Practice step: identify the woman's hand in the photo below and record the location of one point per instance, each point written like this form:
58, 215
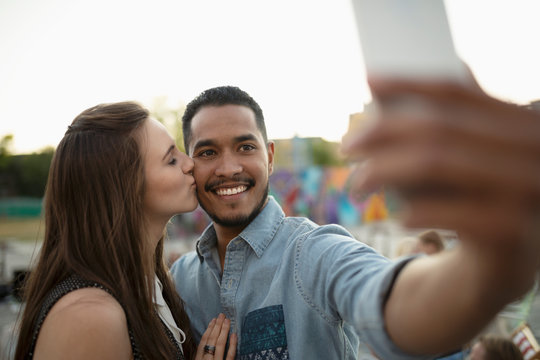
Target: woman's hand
214, 340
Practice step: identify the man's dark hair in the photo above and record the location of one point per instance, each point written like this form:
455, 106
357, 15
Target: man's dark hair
219, 96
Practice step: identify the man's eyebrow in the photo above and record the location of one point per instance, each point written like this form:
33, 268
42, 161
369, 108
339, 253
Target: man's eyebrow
171, 148
201, 143
246, 137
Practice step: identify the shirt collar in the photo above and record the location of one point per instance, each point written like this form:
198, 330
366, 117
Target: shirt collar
257, 234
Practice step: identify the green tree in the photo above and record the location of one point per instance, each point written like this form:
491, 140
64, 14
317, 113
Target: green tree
7, 182
325, 153
33, 171
5, 145
23, 175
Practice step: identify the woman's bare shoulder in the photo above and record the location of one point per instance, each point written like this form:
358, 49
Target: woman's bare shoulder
84, 324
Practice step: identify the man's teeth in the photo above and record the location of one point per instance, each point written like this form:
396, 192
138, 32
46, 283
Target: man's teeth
231, 191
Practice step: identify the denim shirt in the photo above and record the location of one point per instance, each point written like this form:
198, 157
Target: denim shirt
292, 290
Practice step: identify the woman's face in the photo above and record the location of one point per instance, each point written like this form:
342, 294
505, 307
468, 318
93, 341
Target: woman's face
169, 183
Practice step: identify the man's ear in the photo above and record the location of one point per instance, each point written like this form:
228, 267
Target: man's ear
270, 149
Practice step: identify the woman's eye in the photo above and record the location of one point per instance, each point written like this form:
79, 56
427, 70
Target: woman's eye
172, 161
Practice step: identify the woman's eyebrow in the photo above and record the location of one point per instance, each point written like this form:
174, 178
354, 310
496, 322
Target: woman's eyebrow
171, 148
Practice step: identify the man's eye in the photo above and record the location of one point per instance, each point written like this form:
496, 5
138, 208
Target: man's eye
206, 153
247, 147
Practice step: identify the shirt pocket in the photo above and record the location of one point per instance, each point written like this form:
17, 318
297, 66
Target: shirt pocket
263, 335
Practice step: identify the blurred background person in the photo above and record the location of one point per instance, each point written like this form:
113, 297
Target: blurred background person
429, 242
492, 347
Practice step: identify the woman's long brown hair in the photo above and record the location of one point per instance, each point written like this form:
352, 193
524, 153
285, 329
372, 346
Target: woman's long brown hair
95, 227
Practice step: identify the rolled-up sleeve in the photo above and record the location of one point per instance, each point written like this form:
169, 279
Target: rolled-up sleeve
346, 280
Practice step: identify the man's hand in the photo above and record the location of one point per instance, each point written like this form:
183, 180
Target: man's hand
464, 161
461, 159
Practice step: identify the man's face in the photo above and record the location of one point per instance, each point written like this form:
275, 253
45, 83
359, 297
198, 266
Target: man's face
232, 164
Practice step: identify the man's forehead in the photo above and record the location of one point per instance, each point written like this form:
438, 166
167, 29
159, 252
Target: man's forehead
217, 123
224, 111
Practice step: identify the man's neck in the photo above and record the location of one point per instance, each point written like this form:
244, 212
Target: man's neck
224, 236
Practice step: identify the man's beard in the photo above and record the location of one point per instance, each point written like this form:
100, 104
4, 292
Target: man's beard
240, 220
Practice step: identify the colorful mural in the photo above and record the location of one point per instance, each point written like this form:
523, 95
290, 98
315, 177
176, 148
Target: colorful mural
321, 194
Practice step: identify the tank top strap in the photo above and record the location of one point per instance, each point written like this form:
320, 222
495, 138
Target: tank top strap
170, 336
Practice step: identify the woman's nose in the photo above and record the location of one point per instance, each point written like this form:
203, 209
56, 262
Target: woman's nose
187, 164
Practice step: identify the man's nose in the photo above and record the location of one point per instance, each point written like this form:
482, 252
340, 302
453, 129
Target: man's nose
228, 166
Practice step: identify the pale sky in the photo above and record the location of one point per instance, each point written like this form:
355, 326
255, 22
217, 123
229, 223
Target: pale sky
300, 59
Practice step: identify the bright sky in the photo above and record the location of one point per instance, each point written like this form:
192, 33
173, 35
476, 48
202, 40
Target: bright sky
300, 59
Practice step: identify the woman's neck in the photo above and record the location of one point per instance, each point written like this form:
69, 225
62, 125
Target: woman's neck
156, 230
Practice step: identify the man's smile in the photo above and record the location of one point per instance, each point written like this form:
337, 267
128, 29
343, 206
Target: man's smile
231, 191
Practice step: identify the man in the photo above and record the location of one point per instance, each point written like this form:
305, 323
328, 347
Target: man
293, 289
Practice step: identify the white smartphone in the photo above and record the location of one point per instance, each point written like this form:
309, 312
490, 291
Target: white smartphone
408, 39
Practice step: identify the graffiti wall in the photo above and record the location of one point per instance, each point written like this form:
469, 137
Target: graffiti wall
322, 194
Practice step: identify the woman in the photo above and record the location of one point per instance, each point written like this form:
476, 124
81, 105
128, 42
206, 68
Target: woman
100, 289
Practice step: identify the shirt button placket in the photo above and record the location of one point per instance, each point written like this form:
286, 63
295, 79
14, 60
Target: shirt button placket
234, 263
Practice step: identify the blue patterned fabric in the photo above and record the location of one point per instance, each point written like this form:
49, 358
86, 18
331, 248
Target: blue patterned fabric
264, 335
